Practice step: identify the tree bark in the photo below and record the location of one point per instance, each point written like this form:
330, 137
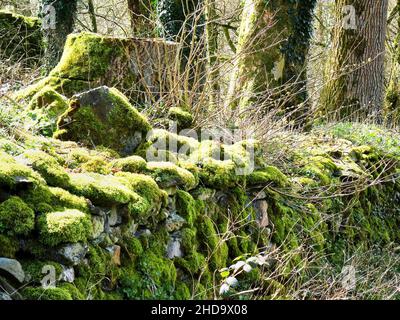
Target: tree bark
355, 70
274, 39
139, 11
58, 22
212, 54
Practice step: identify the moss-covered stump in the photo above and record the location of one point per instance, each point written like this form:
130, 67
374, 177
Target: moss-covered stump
134, 66
126, 228
103, 117
20, 38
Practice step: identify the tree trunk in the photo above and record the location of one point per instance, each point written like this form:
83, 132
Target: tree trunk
274, 39
92, 13
134, 13
212, 54
355, 70
139, 12
58, 22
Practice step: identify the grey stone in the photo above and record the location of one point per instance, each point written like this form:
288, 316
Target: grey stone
4, 297
72, 254
67, 274
174, 222
98, 226
260, 195
12, 267
114, 219
261, 209
174, 248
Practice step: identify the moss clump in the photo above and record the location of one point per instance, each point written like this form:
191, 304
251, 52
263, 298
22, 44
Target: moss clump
103, 117
182, 117
47, 199
266, 176
46, 106
167, 175
151, 196
48, 167
187, 207
134, 164
16, 217
31, 293
68, 226
73, 291
101, 189
219, 174
8, 246
216, 246
11, 172
161, 140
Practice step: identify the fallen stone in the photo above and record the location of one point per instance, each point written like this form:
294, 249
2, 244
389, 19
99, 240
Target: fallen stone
103, 116
12, 267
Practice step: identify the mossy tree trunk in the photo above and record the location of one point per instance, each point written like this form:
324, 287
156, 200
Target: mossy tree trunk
139, 12
212, 51
57, 28
274, 38
354, 86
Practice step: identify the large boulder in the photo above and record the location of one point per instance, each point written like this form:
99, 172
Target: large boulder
138, 67
20, 38
103, 116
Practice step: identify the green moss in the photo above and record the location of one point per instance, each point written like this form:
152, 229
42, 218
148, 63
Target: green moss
219, 174
48, 167
87, 56
68, 226
158, 271
183, 118
9, 246
266, 176
152, 198
134, 164
194, 263
167, 175
49, 105
96, 164
182, 292
187, 207
134, 248
101, 189
11, 172
73, 291
217, 247
46, 199
10, 147
162, 140
16, 217
30, 293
